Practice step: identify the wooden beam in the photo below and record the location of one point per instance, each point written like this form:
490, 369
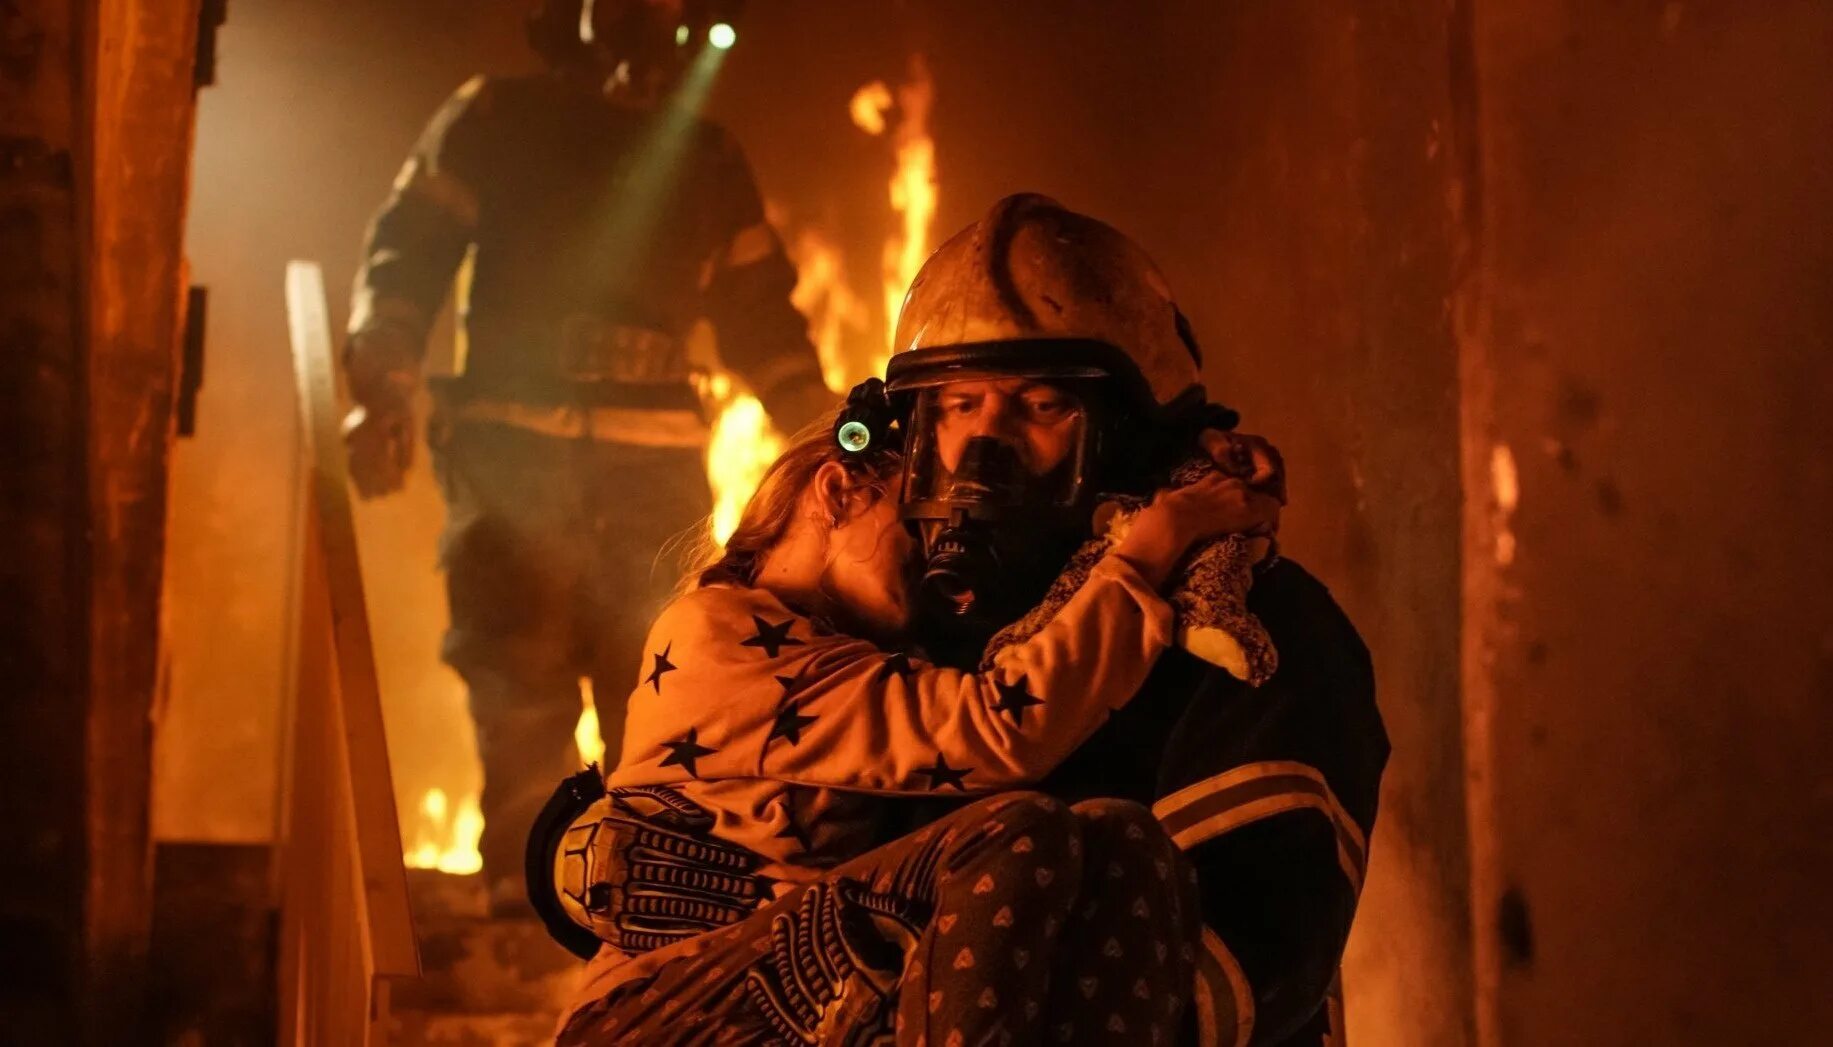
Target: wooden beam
44, 545
140, 102
96, 102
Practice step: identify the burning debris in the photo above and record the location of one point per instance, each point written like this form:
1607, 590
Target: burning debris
445, 836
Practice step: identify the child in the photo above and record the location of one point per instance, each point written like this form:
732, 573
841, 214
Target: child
770, 722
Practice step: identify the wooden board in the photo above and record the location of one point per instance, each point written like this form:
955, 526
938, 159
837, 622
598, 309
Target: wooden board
377, 829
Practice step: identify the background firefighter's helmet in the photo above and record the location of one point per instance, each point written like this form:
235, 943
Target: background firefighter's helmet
1035, 289
650, 36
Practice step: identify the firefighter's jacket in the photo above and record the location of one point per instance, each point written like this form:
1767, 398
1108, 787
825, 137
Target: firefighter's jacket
1271, 792
792, 735
596, 236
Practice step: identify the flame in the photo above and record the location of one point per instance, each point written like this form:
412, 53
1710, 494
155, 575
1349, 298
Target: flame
586, 735
869, 106
913, 184
837, 317
444, 840
744, 443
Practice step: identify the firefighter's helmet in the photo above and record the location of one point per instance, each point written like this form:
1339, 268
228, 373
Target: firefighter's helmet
1031, 291
645, 38
1034, 289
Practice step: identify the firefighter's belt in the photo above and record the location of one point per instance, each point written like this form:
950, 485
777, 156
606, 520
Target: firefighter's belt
593, 349
635, 426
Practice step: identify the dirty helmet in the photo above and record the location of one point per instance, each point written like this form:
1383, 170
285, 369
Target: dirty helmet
1033, 291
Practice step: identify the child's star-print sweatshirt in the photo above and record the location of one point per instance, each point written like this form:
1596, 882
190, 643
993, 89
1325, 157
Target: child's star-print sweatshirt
785, 730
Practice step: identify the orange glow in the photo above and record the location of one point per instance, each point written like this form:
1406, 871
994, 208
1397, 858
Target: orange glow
585, 733
744, 443
837, 317
913, 184
444, 837
869, 105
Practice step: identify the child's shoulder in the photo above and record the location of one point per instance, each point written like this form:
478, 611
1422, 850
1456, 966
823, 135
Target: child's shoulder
715, 610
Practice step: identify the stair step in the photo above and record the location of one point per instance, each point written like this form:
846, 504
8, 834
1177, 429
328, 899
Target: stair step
484, 980
415, 1029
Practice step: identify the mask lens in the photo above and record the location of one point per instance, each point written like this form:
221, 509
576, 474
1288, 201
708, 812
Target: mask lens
997, 446
994, 484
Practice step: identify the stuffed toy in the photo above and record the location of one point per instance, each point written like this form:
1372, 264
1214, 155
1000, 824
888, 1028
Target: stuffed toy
1208, 591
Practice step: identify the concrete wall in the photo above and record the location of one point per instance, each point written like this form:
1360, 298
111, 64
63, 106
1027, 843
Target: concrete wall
1292, 167
1650, 344
1321, 258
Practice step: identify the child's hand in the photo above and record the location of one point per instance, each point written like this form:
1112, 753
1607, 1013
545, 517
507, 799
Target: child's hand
1246, 457
1178, 518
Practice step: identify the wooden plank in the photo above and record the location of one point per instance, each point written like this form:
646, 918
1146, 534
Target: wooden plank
377, 830
140, 106
44, 527
309, 793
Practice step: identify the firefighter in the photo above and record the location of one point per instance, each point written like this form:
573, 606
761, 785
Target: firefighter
595, 219
1040, 359
772, 730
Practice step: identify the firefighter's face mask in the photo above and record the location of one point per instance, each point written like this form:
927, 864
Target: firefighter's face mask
996, 486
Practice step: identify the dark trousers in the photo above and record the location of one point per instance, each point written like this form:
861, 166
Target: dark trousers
555, 561
1014, 919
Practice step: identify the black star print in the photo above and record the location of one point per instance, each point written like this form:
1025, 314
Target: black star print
663, 665
772, 638
896, 665
684, 752
1014, 699
790, 830
789, 723
942, 774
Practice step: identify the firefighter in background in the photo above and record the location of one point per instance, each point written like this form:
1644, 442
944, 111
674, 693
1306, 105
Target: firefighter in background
595, 222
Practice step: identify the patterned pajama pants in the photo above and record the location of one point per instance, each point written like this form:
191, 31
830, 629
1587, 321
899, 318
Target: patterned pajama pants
1013, 920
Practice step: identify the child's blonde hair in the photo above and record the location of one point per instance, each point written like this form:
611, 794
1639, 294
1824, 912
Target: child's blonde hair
773, 505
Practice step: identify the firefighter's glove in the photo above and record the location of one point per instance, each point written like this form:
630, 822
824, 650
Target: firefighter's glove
835, 965
381, 367
643, 869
